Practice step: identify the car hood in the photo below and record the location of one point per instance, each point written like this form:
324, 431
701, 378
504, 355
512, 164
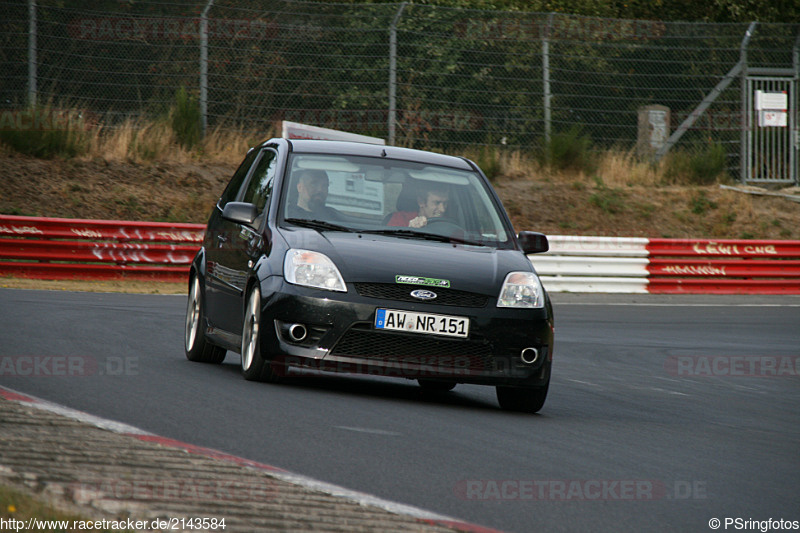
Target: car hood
380, 259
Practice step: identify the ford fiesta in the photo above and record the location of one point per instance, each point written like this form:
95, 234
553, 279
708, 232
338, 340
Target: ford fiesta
358, 258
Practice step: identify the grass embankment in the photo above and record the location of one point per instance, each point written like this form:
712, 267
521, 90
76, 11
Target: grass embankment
161, 170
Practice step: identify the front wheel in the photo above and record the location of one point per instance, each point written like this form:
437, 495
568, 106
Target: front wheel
197, 347
254, 366
522, 399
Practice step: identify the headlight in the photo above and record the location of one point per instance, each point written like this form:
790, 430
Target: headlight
521, 290
312, 269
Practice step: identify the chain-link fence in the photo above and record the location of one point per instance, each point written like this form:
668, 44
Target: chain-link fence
417, 75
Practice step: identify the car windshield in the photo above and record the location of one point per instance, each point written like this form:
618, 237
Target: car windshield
393, 197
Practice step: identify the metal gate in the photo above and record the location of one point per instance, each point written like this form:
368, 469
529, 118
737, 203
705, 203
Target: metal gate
770, 135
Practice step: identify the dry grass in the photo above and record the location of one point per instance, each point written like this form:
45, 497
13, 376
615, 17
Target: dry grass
227, 146
150, 141
624, 169
517, 163
134, 141
138, 141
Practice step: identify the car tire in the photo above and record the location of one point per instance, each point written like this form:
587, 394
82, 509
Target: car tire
195, 344
436, 386
522, 399
254, 366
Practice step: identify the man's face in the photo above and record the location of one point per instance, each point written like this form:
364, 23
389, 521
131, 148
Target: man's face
434, 205
312, 192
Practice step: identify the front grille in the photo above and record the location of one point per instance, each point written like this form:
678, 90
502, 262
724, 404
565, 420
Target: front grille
475, 355
402, 293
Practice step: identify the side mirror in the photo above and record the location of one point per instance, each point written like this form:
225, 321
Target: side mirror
240, 212
533, 242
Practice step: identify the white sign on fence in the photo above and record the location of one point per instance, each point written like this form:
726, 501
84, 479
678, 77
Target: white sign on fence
771, 109
769, 118
773, 101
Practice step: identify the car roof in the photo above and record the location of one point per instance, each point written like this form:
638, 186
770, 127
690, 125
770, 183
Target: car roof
376, 150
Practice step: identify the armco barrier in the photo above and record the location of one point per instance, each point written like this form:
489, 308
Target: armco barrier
669, 266
724, 266
58, 248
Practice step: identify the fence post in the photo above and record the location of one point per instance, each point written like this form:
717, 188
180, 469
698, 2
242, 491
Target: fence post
744, 149
204, 66
546, 79
32, 52
794, 105
740, 67
393, 73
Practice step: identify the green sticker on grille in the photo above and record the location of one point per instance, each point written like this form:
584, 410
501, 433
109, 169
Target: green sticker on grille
419, 280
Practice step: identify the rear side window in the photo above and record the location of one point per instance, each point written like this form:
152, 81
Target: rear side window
232, 190
259, 189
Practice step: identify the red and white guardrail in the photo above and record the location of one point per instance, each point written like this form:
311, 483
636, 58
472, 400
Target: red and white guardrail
669, 266
57, 248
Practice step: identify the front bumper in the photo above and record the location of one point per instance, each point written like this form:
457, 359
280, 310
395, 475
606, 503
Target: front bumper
340, 336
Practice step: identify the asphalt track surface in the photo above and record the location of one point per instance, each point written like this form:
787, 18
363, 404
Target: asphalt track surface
664, 412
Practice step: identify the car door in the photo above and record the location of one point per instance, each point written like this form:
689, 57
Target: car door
218, 234
238, 251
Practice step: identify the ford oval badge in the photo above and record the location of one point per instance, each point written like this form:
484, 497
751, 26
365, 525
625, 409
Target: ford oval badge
423, 294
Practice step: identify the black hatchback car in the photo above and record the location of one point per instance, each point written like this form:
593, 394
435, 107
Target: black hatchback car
369, 259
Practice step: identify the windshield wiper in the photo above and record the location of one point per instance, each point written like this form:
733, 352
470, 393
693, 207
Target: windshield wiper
412, 234
319, 224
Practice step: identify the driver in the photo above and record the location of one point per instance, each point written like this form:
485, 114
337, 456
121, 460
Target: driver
312, 193
432, 203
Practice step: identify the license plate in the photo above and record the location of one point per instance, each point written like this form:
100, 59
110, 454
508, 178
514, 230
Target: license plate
450, 326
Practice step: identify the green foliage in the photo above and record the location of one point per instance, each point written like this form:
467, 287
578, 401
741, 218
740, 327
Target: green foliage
185, 119
696, 166
44, 131
570, 150
708, 164
610, 200
487, 158
700, 204
665, 10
